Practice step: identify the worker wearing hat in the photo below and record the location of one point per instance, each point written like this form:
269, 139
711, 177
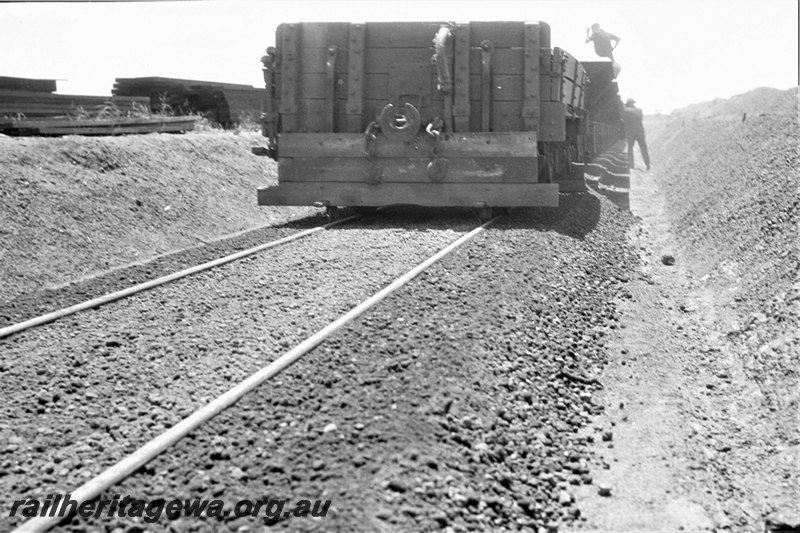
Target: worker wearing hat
634, 131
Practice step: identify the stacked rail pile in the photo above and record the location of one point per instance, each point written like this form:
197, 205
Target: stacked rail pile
8, 83
34, 104
113, 126
29, 107
22, 97
224, 103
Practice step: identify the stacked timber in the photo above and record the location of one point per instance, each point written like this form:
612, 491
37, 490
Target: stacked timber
224, 103
116, 126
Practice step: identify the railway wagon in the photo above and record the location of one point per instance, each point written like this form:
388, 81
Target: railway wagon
603, 105
480, 114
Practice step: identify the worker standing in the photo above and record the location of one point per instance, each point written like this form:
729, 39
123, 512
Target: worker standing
634, 131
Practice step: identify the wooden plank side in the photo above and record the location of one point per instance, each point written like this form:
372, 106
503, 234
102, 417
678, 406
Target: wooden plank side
376, 60
567, 90
427, 194
408, 170
400, 34
558, 75
450, 145
504, 61
552, 125
583, 84
570, 65
415, 34
321, 145
379, 60
373, 108
502, 34
375, 86
548, 88
505, 88
312, 61
324, 34
506, 117
312, 113
312, 109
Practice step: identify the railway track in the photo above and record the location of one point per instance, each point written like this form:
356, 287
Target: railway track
407, 378
138, 458
162, 280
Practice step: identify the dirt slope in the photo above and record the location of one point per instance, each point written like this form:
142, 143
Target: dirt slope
762, 101
733, 189
704, 393
74, 206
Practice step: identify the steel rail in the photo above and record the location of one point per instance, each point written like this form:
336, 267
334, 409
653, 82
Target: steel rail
150, 450
124, 293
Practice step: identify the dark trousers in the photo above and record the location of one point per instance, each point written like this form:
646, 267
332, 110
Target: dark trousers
642, 148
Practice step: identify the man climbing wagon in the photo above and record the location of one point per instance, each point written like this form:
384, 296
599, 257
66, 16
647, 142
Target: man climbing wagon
602, 45
602, 41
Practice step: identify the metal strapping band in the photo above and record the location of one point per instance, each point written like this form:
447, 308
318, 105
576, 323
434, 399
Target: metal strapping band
461, 109
487, 48
290, 62
330, 93
355, 78
530, 108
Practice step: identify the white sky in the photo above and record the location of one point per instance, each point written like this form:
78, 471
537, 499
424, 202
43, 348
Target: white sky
673, 52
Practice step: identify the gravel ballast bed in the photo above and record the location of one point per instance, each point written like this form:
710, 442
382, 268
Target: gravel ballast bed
38, 303
453, 402
87, 389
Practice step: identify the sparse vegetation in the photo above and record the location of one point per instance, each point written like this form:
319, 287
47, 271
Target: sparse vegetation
111, 111
245, 123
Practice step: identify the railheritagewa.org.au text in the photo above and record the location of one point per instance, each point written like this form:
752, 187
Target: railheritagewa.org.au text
269, 509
